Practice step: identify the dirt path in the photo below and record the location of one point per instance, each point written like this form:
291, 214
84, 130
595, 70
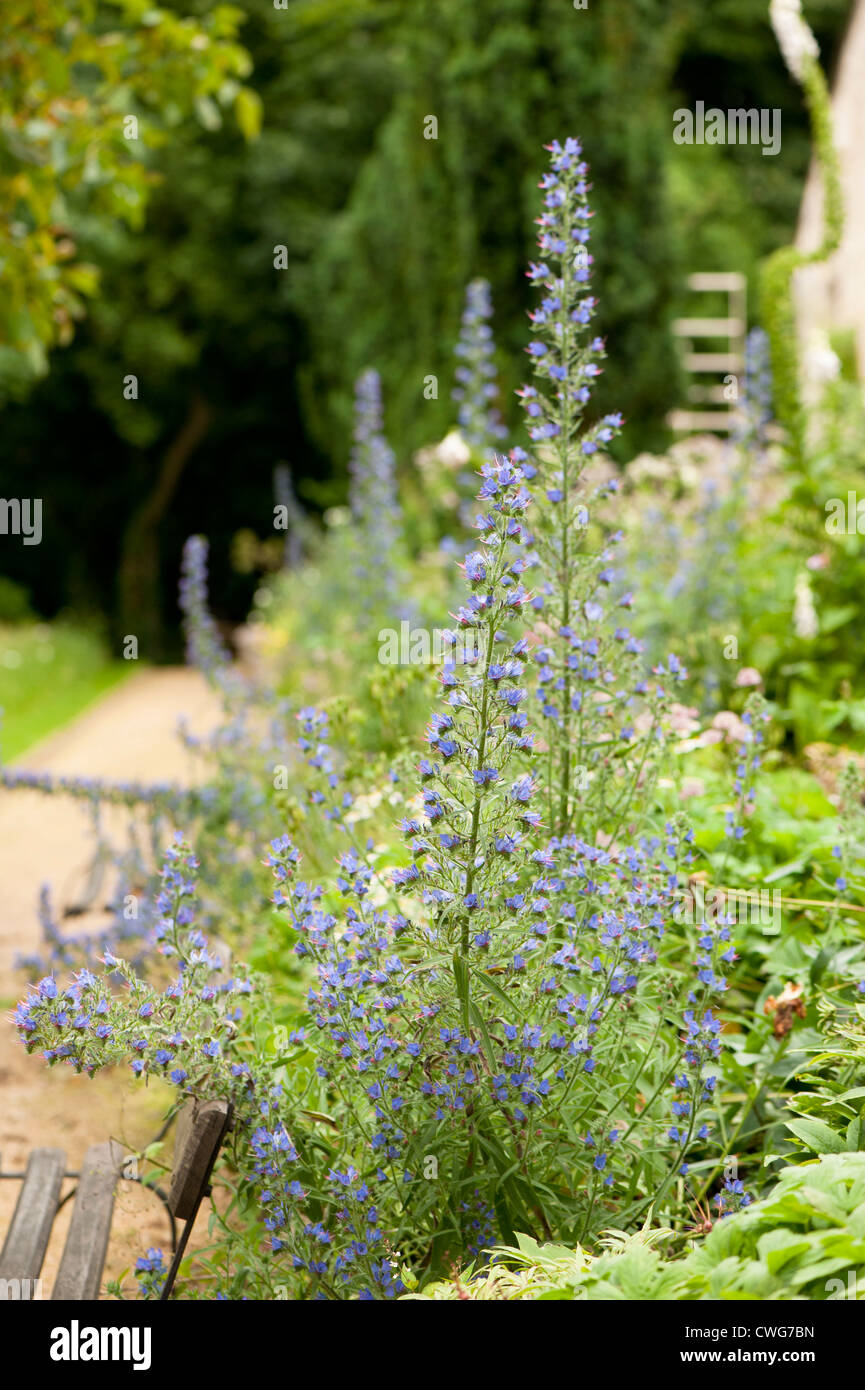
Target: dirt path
128, 734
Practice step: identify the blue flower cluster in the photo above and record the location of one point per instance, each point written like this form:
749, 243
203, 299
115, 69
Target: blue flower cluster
479, 420
151, 1272
732, 1197
355, 1005
166, 797
177, 1032
474, 819
756, 403
588, 668
748, 764
66, 950
205, 648
373, 500
495, 1023
314, 743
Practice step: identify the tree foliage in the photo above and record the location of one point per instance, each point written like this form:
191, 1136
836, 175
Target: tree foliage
91, 88
382, 230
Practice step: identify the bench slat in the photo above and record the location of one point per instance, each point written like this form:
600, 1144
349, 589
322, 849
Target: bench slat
80, 1274
28, 1236
200, 1135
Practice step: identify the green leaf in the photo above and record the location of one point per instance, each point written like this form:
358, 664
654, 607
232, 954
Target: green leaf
780, 1246
793, 866
497, 991
461, 978
248, 110
819, 1138
820, 962
528, 1245
478, 1020
320, 1117
832, 618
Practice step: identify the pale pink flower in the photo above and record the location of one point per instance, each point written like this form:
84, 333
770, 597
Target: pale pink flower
748, 676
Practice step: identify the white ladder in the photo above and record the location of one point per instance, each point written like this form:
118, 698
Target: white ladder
730, 363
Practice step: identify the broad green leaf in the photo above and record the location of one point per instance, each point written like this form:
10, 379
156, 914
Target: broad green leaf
819, 1138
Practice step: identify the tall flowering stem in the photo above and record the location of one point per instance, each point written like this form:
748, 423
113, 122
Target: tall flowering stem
323, 780
585, 690
474, 825
757, 397
205, 648
373, 497
476, 390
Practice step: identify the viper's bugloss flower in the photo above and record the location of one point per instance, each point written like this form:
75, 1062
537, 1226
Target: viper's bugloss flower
204, 646
586, 679
476, 390
151, 1273
374, 503
732, 1197
498, 993
755, 406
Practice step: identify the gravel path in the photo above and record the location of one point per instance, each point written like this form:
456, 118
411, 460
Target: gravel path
128, 734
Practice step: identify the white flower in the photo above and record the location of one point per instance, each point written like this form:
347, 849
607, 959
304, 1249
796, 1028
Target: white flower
795, 39
804, 613
363, 807
821, 364
450, 453
453, 452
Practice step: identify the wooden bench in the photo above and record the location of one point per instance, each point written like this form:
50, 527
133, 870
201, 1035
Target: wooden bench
201, 1130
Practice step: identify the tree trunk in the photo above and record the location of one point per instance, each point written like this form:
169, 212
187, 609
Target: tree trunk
139, 606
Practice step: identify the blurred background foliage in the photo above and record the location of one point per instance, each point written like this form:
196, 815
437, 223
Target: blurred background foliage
303, 127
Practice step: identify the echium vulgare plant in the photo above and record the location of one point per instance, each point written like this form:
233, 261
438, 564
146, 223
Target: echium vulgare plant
205, 648
373, 500
494, 1047
517, 1033
242, 754
479, 419
184, 1025
756, 406
503, 1048
590, 682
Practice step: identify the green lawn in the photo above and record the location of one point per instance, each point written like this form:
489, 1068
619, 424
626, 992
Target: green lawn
48, 674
